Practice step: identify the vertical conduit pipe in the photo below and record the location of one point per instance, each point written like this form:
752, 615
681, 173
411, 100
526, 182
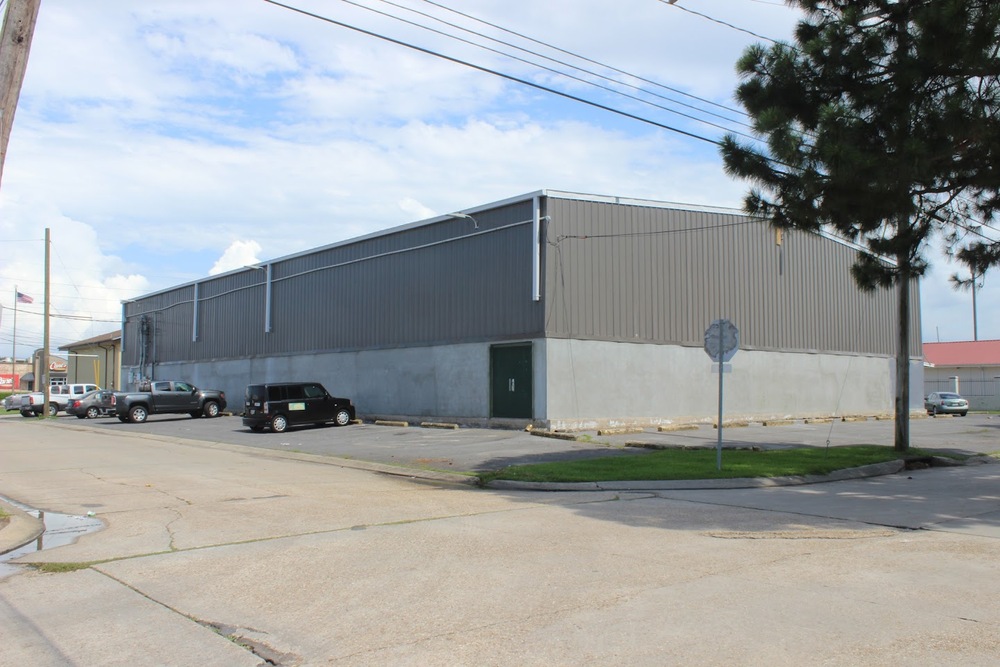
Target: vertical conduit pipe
536, 249
194, 317
267, 301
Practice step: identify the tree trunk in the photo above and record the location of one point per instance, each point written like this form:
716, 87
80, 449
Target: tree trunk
902, 440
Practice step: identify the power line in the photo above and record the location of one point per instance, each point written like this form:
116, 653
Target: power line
503, 75
969, 219
127, 290
592, 61
553, 71
57, 316
720, 22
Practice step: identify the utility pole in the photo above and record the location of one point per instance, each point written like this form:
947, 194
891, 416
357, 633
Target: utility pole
15, 43
46, 373
975, 315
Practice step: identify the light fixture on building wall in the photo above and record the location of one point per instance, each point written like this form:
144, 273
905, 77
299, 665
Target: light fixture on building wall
465, 216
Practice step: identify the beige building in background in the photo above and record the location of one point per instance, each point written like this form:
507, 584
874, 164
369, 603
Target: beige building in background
96, 360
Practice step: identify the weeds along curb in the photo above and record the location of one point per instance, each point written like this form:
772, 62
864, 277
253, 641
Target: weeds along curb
873, 470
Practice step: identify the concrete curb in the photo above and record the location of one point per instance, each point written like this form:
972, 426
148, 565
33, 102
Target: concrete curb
22, 529
874, 470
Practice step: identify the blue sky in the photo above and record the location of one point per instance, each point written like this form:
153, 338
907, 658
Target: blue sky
165, 141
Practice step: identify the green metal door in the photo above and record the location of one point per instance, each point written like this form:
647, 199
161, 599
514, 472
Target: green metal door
510, 381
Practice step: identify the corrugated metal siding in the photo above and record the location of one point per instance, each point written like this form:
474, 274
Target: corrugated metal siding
649, 274
158, 327
611, 271
437, 283
230, 316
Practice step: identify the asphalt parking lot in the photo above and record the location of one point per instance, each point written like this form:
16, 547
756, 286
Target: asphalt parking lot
478, 449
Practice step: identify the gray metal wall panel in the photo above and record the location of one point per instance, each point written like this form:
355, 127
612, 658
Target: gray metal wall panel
439, 283
167, 320
230, 315
648, 274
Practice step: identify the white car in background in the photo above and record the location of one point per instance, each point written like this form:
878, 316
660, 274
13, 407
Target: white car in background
64, 394
946, 403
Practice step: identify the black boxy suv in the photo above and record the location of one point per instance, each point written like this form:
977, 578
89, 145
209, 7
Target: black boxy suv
278, 405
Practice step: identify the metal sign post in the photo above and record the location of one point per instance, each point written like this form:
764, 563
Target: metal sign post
722, 340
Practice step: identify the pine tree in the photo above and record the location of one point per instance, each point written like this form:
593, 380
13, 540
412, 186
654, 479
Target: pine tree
881, 124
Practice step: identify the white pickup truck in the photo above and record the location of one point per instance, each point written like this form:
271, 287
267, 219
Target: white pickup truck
60, 395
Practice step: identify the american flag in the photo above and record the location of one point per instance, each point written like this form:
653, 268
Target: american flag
24, 298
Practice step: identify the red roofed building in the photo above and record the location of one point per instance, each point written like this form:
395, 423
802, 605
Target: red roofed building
970, 368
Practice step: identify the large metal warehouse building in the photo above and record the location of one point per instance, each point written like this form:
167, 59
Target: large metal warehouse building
569, 311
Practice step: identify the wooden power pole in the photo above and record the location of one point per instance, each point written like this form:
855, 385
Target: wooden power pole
15, 43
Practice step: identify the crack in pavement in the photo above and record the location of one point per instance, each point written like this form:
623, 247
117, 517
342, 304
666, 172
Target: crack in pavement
133, 485
240, 637
231, 633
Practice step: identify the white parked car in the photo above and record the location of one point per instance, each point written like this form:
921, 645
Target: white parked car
63, 394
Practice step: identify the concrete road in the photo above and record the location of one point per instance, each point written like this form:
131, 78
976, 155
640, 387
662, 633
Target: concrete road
219, 554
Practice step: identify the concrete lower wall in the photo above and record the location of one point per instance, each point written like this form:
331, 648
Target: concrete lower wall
446, 381
591, 384
577, 384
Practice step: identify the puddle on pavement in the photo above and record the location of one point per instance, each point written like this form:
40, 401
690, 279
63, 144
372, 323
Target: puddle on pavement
60, 530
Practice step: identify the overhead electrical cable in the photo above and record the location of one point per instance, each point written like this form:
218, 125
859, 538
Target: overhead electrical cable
774, 41
57, 316
553, 71
532, 84
509, 77
978, 222
728, 25
593, 62
564, 63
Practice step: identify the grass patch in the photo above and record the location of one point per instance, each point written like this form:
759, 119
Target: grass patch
55, 568
668, 464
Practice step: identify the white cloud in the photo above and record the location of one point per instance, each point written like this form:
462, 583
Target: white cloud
414, 209
86, 283
239, 254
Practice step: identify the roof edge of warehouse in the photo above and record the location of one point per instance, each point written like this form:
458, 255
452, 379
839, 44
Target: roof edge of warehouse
545, 192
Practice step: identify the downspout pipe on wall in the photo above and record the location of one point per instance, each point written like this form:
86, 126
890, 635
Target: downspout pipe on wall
109, 366
120, 379
267, 301
194, 315
152, 357
536, 250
